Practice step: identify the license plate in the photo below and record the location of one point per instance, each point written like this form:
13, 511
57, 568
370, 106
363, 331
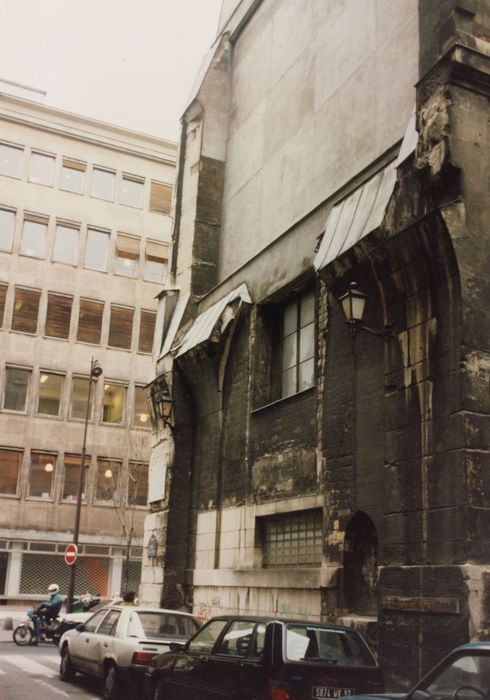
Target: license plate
320, 691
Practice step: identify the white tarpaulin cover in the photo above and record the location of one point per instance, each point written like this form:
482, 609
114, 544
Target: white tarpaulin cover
205, 323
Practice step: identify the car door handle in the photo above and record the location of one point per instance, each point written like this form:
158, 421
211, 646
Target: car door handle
106, 644
87, 641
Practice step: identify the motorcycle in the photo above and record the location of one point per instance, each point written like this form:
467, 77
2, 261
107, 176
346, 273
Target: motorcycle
24, 633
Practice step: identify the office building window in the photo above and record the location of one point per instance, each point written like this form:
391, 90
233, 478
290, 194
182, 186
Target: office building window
298, 345
292, 539
137, 494
72, 175
147, 331
97, 250
3, 296
160, 198
156, 259
58, 316
79, 396
10, 461
114, 403
41, 169
103, 184
127, 255
132, 191
90, 321
10, 160
141, 413
66, 242
71, 477
107, 481
16, 387
7, 225
50, 391
26, 307
33, 242
121, 327
41, 475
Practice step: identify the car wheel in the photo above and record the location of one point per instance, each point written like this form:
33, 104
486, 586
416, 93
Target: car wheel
159, 693
67, 669
111, 683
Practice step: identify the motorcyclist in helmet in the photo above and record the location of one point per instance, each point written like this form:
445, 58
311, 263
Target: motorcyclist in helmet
49, 610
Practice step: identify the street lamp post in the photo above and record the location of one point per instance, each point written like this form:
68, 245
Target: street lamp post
95, 372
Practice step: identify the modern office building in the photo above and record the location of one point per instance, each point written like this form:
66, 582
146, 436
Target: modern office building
84, 239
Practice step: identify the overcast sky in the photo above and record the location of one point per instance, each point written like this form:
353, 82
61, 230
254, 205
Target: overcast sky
128, 62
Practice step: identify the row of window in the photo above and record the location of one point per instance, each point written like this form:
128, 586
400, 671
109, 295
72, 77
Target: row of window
51, 476
71, 175
123, 257
54, 395
66, 318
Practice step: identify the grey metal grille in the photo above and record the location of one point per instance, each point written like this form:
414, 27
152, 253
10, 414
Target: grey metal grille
293, 539
39, 570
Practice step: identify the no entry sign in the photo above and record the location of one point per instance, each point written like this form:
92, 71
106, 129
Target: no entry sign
71, 552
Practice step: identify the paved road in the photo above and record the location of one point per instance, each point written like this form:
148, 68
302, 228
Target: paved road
32, 673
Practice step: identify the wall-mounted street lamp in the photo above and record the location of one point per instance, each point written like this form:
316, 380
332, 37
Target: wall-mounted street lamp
353, 303
162, 403
95, 372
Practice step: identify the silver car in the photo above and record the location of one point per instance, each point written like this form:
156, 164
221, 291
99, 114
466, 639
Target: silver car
118, 642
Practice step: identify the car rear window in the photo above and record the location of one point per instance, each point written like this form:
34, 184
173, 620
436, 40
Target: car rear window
324, 644
161, 625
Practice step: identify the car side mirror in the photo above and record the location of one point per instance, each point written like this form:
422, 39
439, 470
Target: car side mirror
80, 627
419, 695
175, 646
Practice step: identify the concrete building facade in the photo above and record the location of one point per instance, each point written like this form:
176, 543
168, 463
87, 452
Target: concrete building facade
321, 472
84, 238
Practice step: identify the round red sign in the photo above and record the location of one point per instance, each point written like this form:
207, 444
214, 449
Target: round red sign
71, 552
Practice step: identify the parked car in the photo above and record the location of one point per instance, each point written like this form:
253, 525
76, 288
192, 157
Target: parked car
247, 658
118, 641
464, 674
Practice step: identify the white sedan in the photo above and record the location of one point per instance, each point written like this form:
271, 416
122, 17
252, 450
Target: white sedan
119, 641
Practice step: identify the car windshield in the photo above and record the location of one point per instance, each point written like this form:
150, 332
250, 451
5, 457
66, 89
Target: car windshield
327, 645
161, 625
464, 678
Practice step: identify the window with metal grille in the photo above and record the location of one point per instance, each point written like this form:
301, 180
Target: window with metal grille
160, 198
114, 405
41, 475
39, 570
11, 160
79, 396
49, 397
298, 345
66, 241
147, 331
141, 414
137, 484
90, 321
127, 255
72, 175
58, 316
292, 539
33, 242
26, 307
10, 461
41, 168
16, 387
71, 477
3, 296
7, 225
156, 259
121, 327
